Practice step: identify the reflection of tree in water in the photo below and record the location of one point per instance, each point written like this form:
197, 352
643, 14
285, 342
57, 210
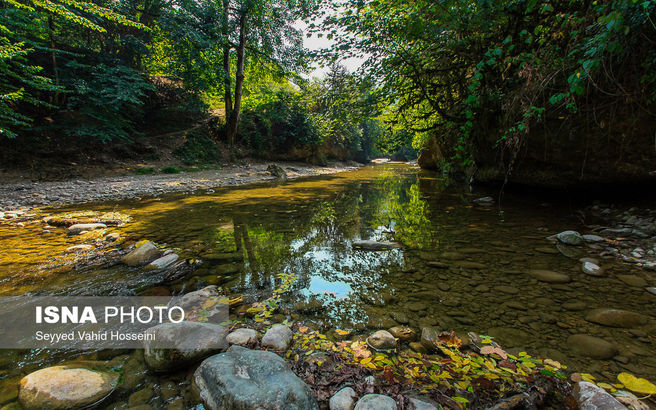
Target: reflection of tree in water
312, 239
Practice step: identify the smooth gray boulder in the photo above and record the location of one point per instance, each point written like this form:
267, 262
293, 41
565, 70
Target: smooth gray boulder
591, 397
375, 402
65, 387
278, 337
570, 238
179, 344
343, 400
251, 379
163, 262
142, 255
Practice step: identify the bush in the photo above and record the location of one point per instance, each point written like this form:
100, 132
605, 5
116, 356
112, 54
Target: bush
170, 170
198, 149
145, 171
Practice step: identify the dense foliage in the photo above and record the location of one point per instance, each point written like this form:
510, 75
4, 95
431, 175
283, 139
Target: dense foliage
484, 73
108, 73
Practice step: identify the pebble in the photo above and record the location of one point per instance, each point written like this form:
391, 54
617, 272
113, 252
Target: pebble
278, 337
375, 402
344, 399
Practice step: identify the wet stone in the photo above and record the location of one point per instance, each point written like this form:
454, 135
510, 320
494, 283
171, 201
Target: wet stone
590, 346
549, 276
616, 318
570, 238
382, 340
404, 334
633, 280
591, 268
511, 290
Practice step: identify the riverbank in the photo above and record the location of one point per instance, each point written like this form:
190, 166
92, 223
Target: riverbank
27, 194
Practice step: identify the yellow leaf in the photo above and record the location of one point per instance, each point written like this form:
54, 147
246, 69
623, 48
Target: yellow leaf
636, 384
552, 363
366, 360
342, 332
588, 377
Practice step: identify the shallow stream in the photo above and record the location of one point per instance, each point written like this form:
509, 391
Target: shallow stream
462, 266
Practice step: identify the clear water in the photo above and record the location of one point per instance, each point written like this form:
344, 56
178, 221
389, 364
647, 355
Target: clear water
306, 227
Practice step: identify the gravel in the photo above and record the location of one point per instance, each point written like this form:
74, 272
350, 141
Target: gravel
37, 194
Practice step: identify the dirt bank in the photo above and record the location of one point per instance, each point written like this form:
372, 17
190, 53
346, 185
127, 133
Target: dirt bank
30, 194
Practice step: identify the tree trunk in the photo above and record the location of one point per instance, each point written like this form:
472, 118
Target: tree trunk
233, 119
53, 57
227, 83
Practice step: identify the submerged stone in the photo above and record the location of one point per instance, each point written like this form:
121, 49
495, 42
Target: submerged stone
549, 276
616, 318
633, 280
374, 245
590, 346
65, 387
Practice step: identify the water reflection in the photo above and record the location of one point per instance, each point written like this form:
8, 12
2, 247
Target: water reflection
462, 267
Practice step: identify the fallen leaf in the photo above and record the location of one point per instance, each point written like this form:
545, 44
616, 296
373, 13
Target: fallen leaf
494, 350
552, 363
303, 329
630, 400
451, 339
636, 384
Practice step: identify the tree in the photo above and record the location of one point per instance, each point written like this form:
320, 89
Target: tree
481, 74
238, 32
22, 81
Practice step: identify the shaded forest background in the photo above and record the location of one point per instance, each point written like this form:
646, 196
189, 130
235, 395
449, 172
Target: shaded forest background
546, 92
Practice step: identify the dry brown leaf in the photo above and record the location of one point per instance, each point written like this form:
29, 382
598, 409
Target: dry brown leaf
494, 350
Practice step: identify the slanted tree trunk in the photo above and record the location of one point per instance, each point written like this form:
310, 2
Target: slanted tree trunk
233, 118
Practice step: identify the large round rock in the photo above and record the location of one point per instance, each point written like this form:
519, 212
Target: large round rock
65, 387
617, 318
251, 379
179, 344
591, 346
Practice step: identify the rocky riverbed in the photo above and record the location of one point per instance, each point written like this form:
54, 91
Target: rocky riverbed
33, 194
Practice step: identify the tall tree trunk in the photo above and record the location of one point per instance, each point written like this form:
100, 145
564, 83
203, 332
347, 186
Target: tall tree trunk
227, 83
53, 56
233, 119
